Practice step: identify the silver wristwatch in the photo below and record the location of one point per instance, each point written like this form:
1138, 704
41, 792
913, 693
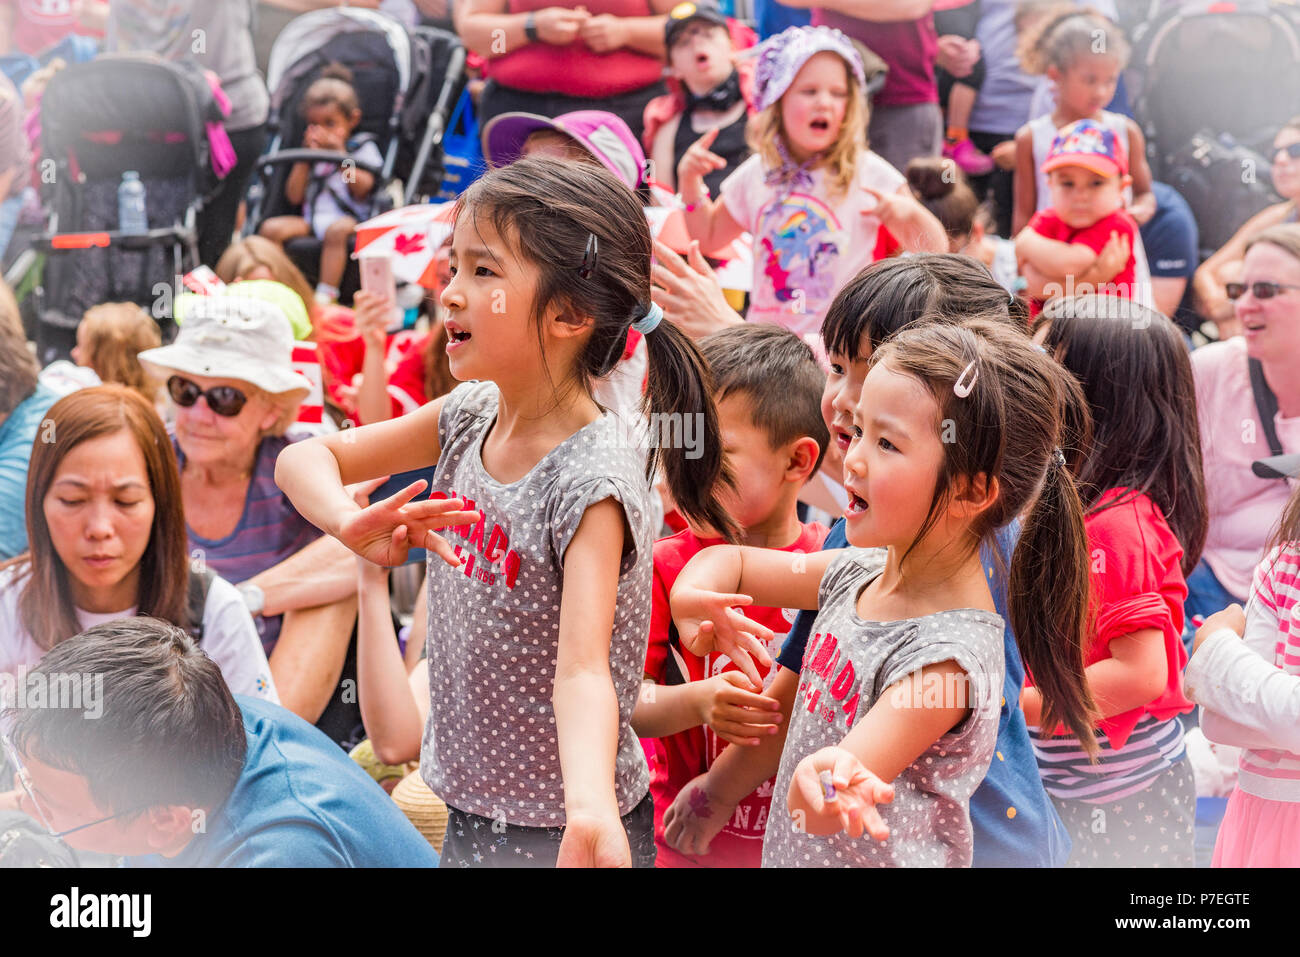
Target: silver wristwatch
253, 597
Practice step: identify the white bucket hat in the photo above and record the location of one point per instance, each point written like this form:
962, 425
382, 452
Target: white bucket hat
233, 337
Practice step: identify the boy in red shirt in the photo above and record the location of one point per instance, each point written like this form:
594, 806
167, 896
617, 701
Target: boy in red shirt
768, 386
1083, 243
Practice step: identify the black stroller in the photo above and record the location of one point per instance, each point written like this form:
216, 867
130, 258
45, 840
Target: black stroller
99, 120
407, 82
1216, 81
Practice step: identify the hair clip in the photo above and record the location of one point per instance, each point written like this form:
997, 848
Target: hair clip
1058, 458
588, 267
961, 388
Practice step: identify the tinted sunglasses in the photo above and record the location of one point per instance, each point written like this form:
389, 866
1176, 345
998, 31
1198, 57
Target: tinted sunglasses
222, 399
1292, 151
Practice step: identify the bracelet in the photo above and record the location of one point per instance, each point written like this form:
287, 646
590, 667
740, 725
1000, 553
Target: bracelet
530, 26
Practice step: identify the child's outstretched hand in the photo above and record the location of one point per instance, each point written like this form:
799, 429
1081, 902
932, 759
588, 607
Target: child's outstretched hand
903, 216
592, 840
707, 621
694, 819
857, 792
385, 532
696, 163
731, 705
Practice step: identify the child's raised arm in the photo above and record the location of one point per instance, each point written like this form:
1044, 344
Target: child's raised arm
706, 219
313, 474
890, 738
585, 703
717, 579
1024, 184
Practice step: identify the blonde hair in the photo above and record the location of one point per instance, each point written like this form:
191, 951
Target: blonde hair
241, 259
18, 367
115, 334
841, 161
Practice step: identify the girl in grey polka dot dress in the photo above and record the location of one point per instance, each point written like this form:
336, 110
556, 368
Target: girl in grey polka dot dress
957, 433
539, 597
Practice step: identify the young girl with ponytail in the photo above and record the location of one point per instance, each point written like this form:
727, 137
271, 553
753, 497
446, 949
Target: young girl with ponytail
956, 434
538, 615
1140, 480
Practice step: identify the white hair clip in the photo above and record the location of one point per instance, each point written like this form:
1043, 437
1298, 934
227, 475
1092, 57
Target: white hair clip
961, 388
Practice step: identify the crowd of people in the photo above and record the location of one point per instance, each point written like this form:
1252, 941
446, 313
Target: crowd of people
820, 444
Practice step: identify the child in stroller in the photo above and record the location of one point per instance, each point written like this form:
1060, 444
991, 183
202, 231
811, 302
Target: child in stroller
334, 198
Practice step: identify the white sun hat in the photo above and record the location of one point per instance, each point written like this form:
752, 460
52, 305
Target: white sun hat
233, 337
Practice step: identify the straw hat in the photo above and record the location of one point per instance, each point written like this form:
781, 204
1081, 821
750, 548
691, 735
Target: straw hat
423, 808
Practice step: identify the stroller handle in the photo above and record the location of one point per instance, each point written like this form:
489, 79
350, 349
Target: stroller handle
288, 157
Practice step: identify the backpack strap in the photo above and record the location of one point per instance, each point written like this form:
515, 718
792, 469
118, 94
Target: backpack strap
1265, 405
196, 598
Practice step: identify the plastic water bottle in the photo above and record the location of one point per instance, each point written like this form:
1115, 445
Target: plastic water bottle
132, 218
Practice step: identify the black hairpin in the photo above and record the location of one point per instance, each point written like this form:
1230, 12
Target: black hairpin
588, 268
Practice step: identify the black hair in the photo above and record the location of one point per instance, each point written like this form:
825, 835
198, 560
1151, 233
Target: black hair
1008, 429
588, 236
891, 294
1133, 367
168, 731
778, 374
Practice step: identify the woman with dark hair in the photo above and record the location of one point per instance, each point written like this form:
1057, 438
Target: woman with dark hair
108, 541
1145, 513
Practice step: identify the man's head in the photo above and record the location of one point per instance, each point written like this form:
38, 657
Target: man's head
699, 45
1087, 170
768, 388
165, 750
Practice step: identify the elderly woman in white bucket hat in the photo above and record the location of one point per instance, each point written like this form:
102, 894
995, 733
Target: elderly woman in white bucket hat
230, 376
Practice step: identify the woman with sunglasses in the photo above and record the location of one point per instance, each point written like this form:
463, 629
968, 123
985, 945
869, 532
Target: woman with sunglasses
1211, 279
230, 375
108, 541
1244, 507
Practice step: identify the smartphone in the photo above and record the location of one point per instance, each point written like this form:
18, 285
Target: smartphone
377, 277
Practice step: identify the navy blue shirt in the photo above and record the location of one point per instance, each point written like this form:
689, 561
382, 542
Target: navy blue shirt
1014, 821
1171, 241
300, 802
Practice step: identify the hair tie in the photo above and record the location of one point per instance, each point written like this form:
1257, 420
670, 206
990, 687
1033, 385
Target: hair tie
961, 388
650, 321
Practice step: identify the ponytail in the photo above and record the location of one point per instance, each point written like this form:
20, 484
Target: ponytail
680, 386
1048, 601
1018, 408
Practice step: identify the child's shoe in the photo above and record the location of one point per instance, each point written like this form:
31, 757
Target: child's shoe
966, 155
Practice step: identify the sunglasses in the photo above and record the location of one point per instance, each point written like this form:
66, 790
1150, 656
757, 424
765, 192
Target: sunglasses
1293, 151
1260, 290
222, 399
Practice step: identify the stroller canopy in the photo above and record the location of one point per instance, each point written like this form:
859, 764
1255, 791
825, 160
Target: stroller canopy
312, 31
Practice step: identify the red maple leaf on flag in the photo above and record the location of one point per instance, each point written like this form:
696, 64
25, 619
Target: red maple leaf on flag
407, 244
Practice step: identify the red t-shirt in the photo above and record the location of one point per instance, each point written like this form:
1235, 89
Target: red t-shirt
1047, 223
1137, 583
39, 24
678, 758
574, 69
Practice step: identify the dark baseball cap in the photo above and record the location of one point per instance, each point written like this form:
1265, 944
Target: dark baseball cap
685, 13
1277, 466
